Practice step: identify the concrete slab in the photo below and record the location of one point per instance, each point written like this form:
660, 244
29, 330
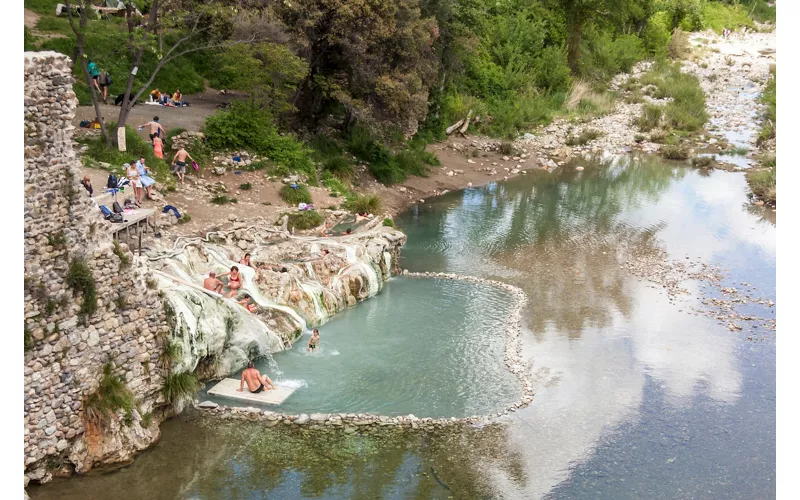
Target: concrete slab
228, 388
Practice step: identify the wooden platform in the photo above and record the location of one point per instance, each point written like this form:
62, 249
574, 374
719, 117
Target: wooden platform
228, 388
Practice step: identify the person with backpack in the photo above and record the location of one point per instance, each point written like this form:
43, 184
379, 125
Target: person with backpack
105, 81
94, 73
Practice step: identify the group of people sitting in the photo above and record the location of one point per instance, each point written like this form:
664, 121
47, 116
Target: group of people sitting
165, 99
234, 284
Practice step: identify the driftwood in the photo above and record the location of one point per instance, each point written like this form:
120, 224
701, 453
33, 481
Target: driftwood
452, 128
465, 126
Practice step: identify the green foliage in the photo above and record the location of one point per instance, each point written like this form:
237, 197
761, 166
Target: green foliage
763, 184
387, 222
719, 15
246, 186
770, 99
687, 110
221, 199
604, 56
294, 196
367, 203
307, 219
656, 34
180, 386
585, 137
737, 151
185, 217
112, 395
650, 117
339, 166
170, 352
658, 136
57, 239
30, 41
42, 6
674, 152
506, 148
80, 280
135, 148
760, 10
388, 167
703, 161
147, 419
246, 126
28, 339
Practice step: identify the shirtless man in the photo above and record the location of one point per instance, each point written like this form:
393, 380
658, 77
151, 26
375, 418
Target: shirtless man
155, 128
212, 283
179, 163
255, 381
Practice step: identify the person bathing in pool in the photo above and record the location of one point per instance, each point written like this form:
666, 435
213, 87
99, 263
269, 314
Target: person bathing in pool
255, 381
234, 282
313, 343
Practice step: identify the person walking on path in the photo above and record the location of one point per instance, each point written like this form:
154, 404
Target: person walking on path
95, 74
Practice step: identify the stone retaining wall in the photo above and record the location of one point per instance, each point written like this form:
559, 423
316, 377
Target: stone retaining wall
65, 349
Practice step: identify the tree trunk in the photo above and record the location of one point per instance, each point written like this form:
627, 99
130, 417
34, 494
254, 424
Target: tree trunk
574, 44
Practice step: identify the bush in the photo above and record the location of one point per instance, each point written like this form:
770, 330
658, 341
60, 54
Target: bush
658, 135
716, 15
245, 126
552, 71
687, 110
246, 186
387, 222
703, 161
678, 46
294, 196
639, 138
585, 137
769, 99
369, 203
222, 199
674, 152
185, 217
656, 34
80, 280
30, 41
307, 219
506, 148
763, 184
339, 166
180, 386
650, 117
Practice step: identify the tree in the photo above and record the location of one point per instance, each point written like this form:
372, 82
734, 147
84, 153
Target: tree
370, 61
80, 58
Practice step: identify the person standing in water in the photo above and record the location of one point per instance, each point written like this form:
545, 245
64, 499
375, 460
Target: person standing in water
313, 343
255, 381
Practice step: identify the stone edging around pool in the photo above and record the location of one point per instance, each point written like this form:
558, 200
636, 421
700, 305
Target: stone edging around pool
353, 421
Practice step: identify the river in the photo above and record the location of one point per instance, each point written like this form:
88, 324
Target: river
637, 394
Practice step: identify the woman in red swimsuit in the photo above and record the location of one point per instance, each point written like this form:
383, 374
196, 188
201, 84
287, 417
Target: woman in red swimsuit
234, 282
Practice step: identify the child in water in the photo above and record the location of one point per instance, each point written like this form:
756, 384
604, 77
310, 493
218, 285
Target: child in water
314, 342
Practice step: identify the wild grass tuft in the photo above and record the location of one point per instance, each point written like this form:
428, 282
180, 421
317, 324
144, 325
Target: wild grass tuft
112, 394
294, 196
585, 137
307, 219
368, 203
221, 199
703, 161
763, 184
180, 386
650, 117
80, 280
246, 186
674, 152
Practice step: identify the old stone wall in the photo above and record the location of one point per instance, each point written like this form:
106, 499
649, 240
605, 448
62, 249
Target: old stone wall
67, 342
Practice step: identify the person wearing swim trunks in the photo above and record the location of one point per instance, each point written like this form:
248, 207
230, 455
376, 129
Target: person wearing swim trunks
179, 163
212, 283
155, 128
234, 282
313, 343
255, 381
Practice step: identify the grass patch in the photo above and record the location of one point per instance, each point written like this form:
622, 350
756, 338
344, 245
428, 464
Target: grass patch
246, 186
737, 151
584, 138
112, 395
170, 352
221, 199
650, 117
687, 110
184, 218
639, 138
80, 280
703, 161
506, 148
136, 147
763, 184
368, 203
770, 99
28, 339
339, 166
674, 152
658, 136
307, 219
180, 386
295, 195
387, 222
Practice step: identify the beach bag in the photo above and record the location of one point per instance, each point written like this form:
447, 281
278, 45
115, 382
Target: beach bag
112, 181
117, 208
194, 166
116, 218
106, 212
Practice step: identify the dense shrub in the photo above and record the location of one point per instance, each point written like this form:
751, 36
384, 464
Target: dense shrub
763, 184
295, 195
584, 138
307, 219
674, 152
687, 110
552, 71
650, 117
339, 166
717, 16
246, 126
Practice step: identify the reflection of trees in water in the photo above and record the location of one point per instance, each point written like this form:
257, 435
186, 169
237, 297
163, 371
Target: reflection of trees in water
765, 214
561, 233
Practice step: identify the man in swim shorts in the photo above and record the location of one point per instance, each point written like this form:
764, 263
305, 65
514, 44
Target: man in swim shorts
212, 283
155, 129
255, 381
179, 163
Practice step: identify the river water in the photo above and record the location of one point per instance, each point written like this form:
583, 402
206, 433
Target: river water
637, 396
